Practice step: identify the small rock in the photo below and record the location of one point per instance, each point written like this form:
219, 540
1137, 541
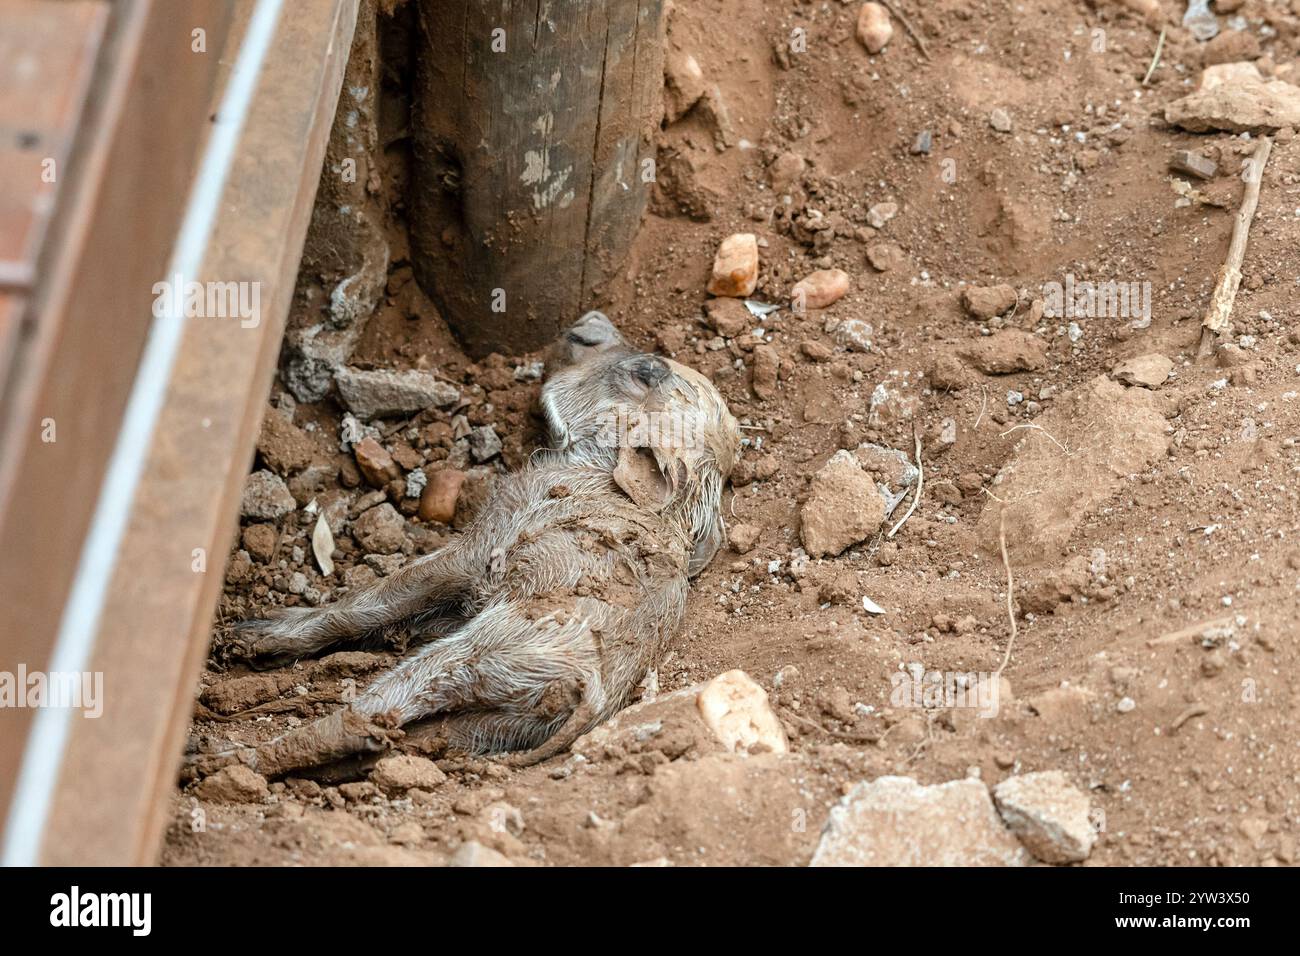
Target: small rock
266, 497
843, 507
728, 317
874, 28
473, 853
285, 448
923, 143
260, 540
854, 335
1236, 103
684, 84
893, 821
948, 373
881, 213
1230, 46
381, 530
886, 256
985, 302
816, 351
1230, 355
743, 537
766, 365
735, 268
1000, 120
484, 443
785, 171
438, 500
233, 784
1148, 371
1193, 163
729, 713
401, 772
376, 464
819, 289
382, 392
1048, 814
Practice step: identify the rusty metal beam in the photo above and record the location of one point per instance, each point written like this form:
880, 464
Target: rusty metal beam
119, 770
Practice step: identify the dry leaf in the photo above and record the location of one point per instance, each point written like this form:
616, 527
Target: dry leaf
322, 545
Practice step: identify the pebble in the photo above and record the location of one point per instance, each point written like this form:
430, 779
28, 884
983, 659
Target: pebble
381, 530
886, 256
819, 289
484, 443
234, 784
259, 541
401, 772
785, 171
440, 495
986, 302
881, 213
844, 507
381, 392
766, 365
1048, 814
1193, 164
743, 537
266, 497
894, 821
1148, 371
684, 84
854, 335
923, 143
1000, 120
735, 267
874, 27
376, 464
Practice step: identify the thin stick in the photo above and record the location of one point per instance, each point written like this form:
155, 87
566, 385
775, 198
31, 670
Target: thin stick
1155, 60
1036, 427
916, 37
1011, 585
920, 479
984, 404
1219, 312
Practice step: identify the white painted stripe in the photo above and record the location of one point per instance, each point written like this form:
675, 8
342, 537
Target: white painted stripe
43, 758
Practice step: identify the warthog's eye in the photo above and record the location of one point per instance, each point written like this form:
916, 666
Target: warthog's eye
589, 339
649, 371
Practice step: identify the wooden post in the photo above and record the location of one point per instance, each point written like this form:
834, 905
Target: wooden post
533, 128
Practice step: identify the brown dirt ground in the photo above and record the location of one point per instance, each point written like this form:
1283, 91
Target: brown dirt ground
1207, 531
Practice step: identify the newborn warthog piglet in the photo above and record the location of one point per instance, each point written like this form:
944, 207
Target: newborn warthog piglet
544, 616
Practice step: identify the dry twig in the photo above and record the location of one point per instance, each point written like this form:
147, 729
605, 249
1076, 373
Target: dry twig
916, 37
1011, 586
920, 478
1219, 312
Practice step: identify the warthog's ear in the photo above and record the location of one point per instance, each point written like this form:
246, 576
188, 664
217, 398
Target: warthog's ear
643, 478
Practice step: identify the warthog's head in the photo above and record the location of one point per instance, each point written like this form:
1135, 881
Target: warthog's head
663, 428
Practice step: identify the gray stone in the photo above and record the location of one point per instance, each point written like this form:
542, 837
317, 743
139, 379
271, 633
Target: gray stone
383, 392
381, 530
893, 821
1048, 814
484, 443
266, 497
